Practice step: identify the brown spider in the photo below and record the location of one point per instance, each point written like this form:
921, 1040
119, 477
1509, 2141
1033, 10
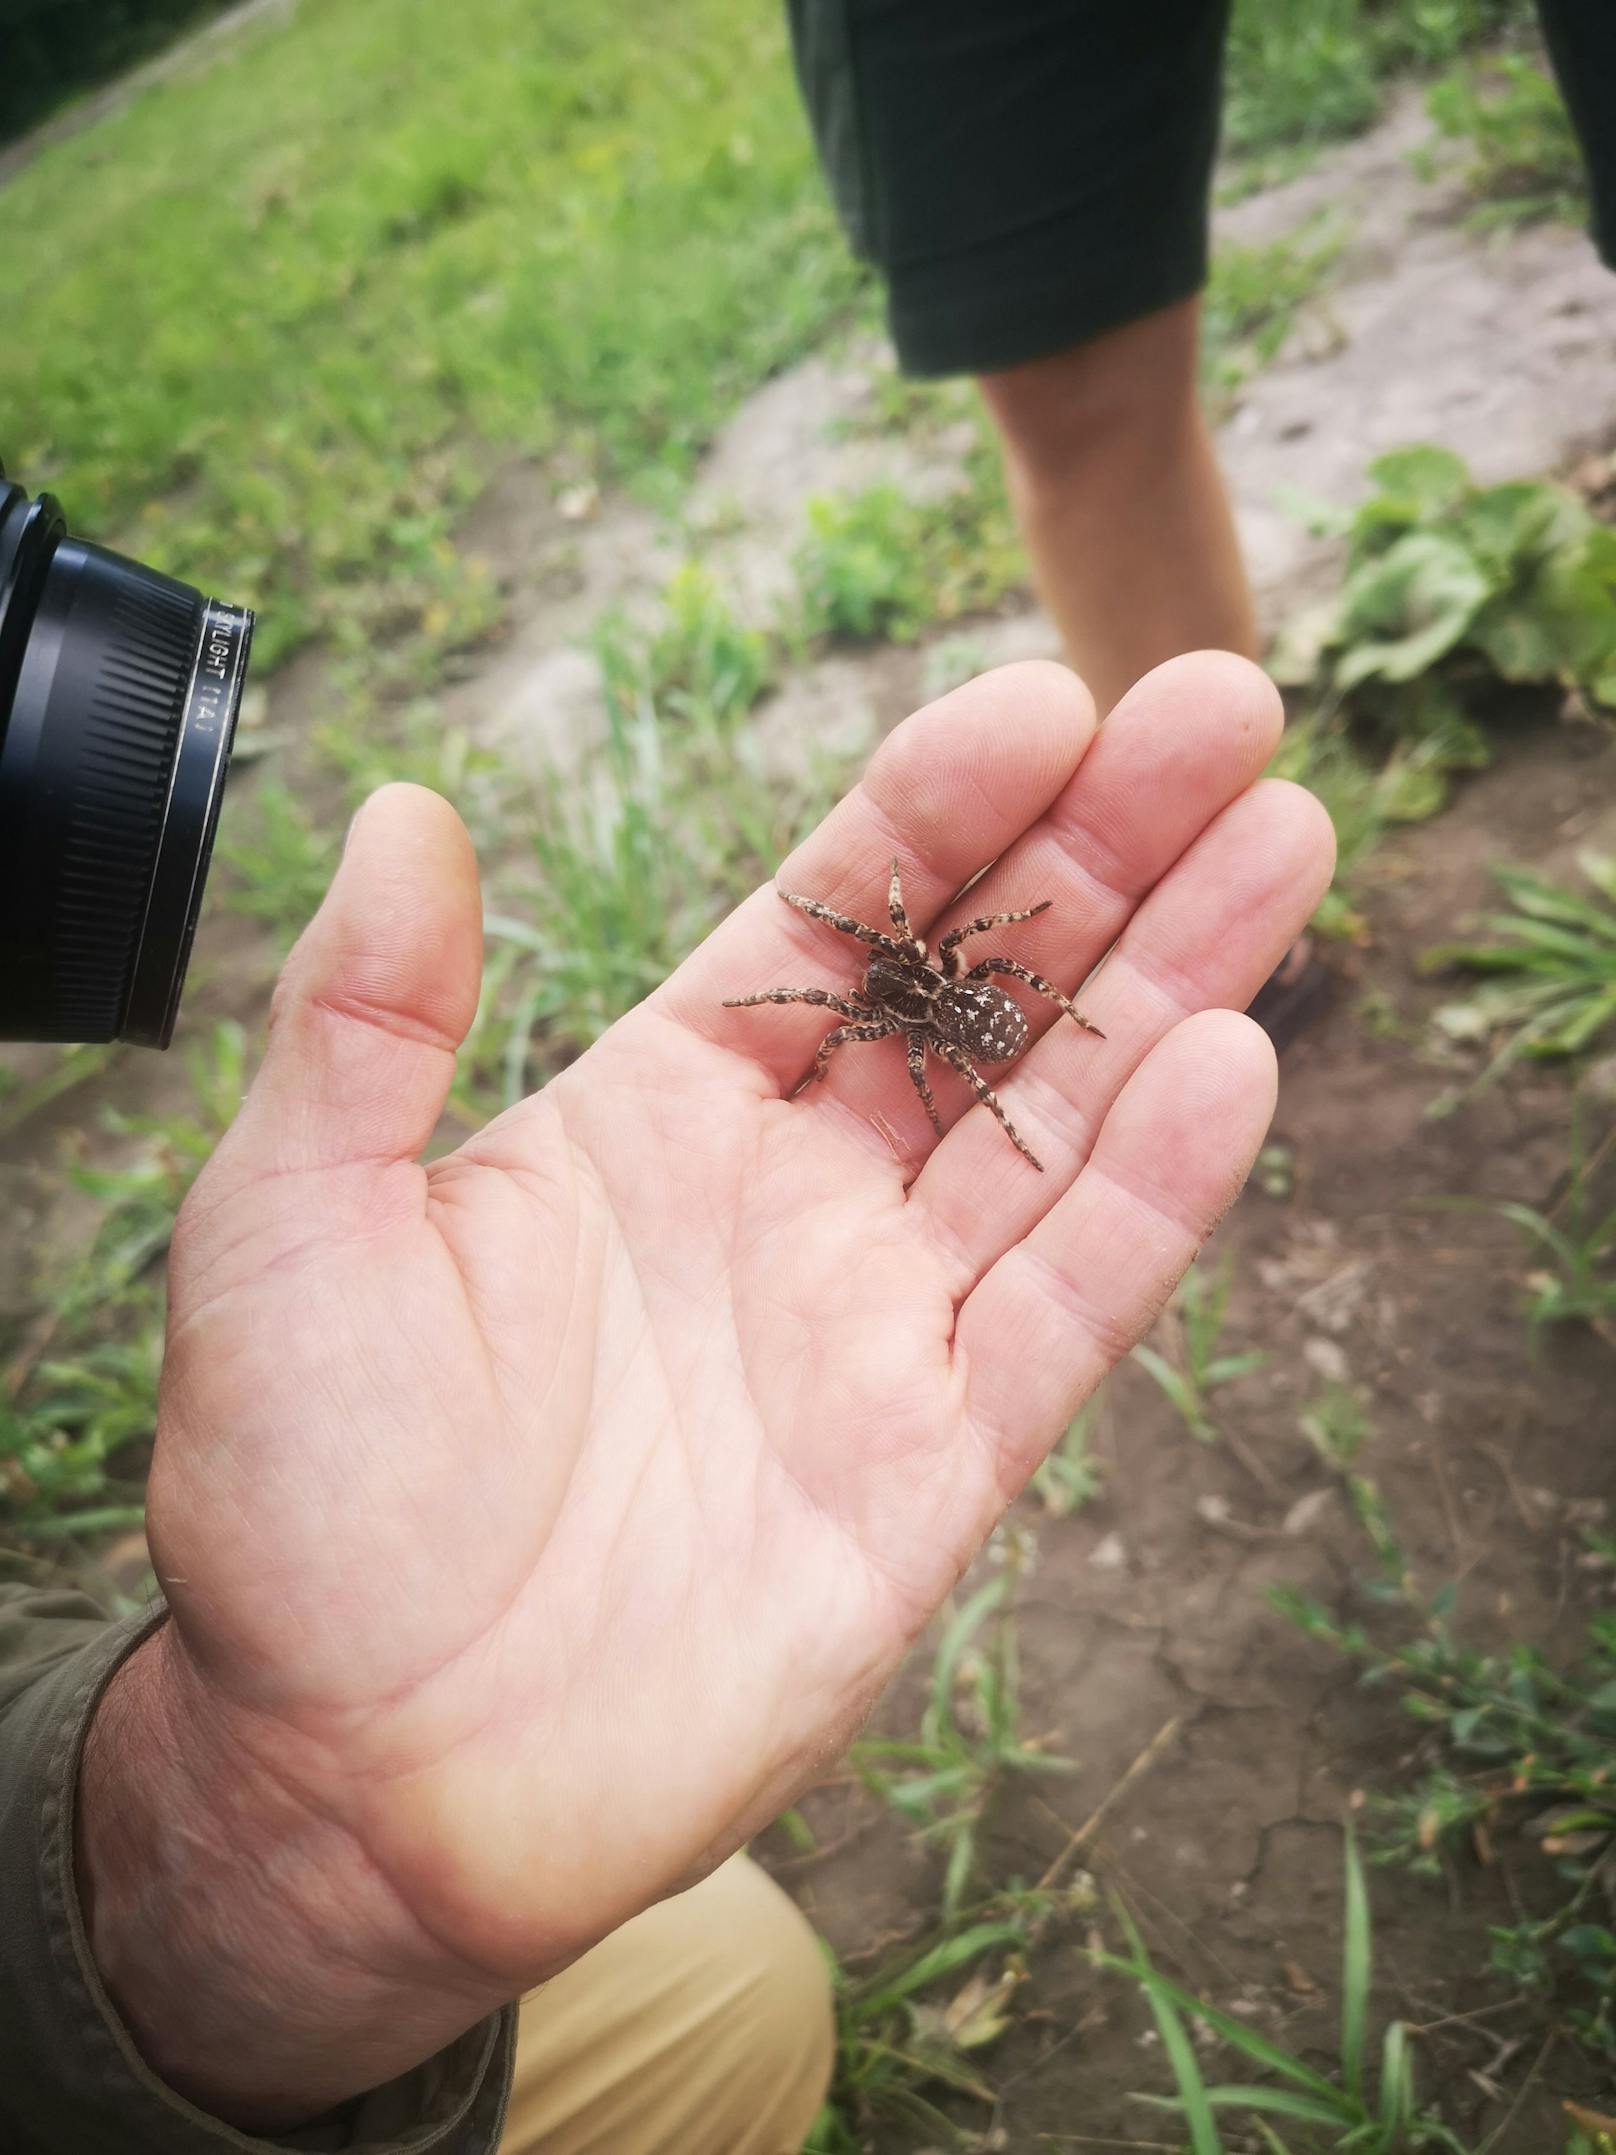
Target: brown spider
934, 1005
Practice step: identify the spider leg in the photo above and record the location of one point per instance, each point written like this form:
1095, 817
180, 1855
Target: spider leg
1034, 980
820, 996
948, 947
917, 1074
847, 926
900, 919
832, 1041
957, 1059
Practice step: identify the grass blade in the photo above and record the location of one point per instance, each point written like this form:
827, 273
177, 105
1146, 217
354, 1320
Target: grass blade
1204, 2136
1396, 2085
1234, 2032
882, 1991
940, 1711
1355, 1973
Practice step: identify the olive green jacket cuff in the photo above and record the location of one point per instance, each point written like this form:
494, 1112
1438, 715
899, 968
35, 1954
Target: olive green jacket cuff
70, 2077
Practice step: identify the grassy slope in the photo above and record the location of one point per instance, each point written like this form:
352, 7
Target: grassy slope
279, 314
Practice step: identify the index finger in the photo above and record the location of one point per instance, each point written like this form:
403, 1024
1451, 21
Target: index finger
944, 794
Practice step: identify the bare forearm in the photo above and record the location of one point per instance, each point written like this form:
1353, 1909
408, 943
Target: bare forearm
262, 1967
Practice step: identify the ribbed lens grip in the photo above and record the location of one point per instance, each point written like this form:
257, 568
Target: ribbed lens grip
90, 756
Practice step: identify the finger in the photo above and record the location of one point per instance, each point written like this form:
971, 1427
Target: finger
374, 1000
1207, 937
1182, 744
1062, 1306
945, 793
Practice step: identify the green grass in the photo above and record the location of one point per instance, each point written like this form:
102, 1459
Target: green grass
82, 1395
885, 564
700, 665
1305, 72
969, 1740
1549, 984
1522, 161
1517, 1749
1193, 1370
1254, 296
1573, 1243
1370, 2111
1071, 1476
896, 2040
282, 318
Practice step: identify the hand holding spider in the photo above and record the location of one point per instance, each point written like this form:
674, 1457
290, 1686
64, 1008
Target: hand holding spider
538, 1521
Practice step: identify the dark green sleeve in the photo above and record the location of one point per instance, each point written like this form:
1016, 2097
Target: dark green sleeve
70, 2079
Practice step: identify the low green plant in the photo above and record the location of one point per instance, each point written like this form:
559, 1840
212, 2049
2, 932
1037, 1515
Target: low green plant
700, 664
882, 563
1196, 1313
1303, 72
280, 860
87, 1395
1336, 1424
632, 860
1515, 1745
861, 567
894, 2039
1551, 981
71, 1067
1523, 163
1070, 1477
1253, 297
58, 1444
969, 1738
1368, 2112
1367, 794
1446, 583
1574, 1280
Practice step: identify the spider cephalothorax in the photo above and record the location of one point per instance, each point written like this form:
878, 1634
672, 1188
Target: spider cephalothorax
931, 1001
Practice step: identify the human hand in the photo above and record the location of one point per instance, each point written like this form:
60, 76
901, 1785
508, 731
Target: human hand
537, 1523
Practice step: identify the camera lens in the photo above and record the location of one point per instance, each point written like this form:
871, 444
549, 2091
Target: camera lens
119, 690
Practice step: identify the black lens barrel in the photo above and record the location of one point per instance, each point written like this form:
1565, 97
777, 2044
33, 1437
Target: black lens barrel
119, 689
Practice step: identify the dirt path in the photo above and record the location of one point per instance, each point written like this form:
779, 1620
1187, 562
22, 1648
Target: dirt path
1504, 350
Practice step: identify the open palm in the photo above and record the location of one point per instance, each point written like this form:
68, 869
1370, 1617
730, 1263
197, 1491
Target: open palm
545, 1517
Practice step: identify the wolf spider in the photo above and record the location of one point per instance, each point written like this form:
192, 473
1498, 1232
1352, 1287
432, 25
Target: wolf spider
932, 1003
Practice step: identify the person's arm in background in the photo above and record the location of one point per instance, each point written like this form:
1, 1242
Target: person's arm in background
536, 1524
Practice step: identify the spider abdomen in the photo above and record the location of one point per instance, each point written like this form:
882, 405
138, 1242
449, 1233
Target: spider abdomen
987, 1022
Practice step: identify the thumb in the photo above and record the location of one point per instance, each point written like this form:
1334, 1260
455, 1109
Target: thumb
374, 1000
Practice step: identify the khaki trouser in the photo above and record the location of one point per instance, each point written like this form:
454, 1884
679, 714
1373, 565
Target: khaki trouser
704, 2027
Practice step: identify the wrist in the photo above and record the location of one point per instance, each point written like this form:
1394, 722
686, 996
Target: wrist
262, 1966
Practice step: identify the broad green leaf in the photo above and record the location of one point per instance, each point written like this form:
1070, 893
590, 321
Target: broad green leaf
1523, 520
1521, 641
1421, 481
1408, 609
